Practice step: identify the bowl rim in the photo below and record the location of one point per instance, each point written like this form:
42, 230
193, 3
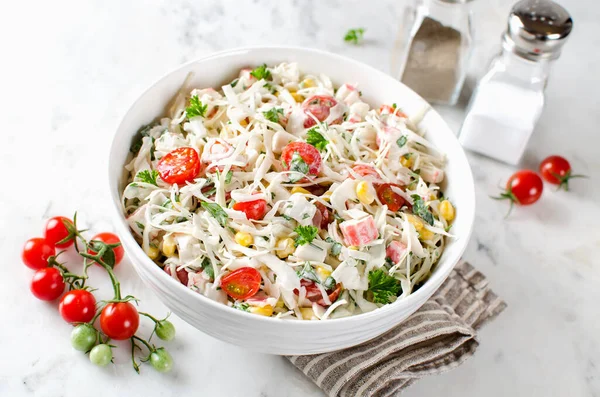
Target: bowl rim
136, 253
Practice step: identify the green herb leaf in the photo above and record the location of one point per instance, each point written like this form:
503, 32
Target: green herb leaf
383, 286
329, 283
243, 306
141, 226
196, 108
306, 234
297, 164
336, 247
419, 208
270, 88
234, 83
401, 141
286, 217
261, 72
354, 35
147, 176
216, 212
273, 114
207, 267
308, 273
316, 139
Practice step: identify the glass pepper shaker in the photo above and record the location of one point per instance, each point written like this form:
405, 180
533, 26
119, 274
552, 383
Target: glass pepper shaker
435, 48
509, 99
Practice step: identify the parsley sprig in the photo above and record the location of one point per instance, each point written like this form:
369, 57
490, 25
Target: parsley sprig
196, 108
273, 114
313, 137
147, 176
306, 234
354, 36
383, 286
261, 72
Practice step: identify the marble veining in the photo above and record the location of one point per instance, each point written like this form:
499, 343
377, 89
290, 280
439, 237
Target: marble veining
72, 68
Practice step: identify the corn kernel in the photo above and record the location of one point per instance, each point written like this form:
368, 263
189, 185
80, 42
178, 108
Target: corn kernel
447, 210
301, 190
322, 272
307, 313
406, 162
326, 196
244, 122
152, 252
285, 247
416, 222
425, 234
365, 192
353, 247
168, 246
266, 310
244, 239
297, 97
308, 83
280, 304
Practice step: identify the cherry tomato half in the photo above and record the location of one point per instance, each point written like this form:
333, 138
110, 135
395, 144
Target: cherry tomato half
253, 209
309, 154
557, 170
110, 238
119, 320
36, 252
77, 306
320, 107
524, 187
241, 283
390, 198
179, 166
47, 284
56, 230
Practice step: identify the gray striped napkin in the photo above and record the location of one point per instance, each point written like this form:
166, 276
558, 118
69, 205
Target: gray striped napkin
440, 336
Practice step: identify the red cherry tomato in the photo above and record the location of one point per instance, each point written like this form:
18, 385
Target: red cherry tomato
110, 238
557, 170
524, 187
387, 196
77, 306
120, 320
313, 293
36, 252
253, 209
319, 106
47, 284
241, 283
56, 230
179, 166
309, 154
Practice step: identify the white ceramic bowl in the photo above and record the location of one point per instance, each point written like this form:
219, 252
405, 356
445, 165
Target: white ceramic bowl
270, 335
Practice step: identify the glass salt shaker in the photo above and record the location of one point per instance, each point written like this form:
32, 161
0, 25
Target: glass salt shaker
509, 99
435, 48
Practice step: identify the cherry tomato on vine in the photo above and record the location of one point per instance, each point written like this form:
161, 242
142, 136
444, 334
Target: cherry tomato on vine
524, 187
77, 306
557, 170
179, 166
101, 355
241, 283
390, 198
84, 337
47, 284
309, 154
57, 230
161, 360
119, 320
36, 252
253, 209
109, 238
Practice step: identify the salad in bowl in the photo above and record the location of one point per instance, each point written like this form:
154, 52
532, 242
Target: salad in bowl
284, 195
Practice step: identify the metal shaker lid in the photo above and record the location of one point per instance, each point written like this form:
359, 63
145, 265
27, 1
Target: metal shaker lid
537, 29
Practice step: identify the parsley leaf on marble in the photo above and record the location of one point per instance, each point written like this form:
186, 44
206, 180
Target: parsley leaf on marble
354, 36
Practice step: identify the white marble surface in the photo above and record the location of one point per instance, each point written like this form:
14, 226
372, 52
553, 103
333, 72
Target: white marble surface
71, 68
